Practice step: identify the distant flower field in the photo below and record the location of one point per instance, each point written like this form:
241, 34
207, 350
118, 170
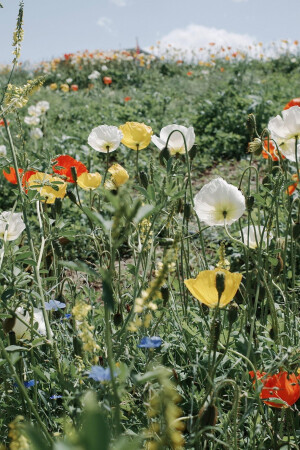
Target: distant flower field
150, 230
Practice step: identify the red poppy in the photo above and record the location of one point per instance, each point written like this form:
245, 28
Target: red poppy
272, 150
67, 162
74, 87
294, 102
222, 69
282, 386
291, 189
107, 80
127, 99
68, 56
2, 124
12, 176
189, 73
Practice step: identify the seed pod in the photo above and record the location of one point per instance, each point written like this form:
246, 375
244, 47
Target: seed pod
164, 290
220, 283
208, 416
144, 179
187, 211
72, 197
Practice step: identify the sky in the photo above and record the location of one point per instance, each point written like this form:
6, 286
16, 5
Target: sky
55, 27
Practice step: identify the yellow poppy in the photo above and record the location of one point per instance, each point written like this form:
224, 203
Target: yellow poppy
89, 181
119, 176
53, 86
46, 190
204, 287
65, 87
136, 135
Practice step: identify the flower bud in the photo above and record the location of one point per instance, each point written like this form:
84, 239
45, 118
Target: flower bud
187, 210
72, 197
179, 205
249, 202
164, 290
164, 156
220, 283
144, 179
251, 124
118, 319
279, 267
58, 205
193, 152
74, 173
208, 416
233, 313
256, 146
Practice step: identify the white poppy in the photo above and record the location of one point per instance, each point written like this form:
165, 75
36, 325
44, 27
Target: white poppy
14, 224
43, 106
94, 75
105, 138
69, 80
34, 111
176, 142
255, 234
219, 202
32, 120
286, 127
36, 133
3, 151
104, 68
21, 330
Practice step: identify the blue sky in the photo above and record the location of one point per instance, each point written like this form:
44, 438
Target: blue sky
55, 27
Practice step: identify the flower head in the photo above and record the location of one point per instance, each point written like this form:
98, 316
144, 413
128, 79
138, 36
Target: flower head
98, 373
107, 80
270, 149
94, 75
65, 87
3, 151
11, 176
105, 138
253, 236
53, 86
34, 111
293, 102
286, 127
74, 87
43, 106
21, 330
48, 186
36, 133
89, 181
219, 202
176, 142
136, 135
150, 342
280, 390
31, 120
63, 167
119, 176
54, 305
11, 225
204, 287
292, 187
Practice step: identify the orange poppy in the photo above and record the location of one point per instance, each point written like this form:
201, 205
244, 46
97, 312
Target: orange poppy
66, 162
107, 80
74, 87
189, 73
291, 189
293, 102
126, 99
12, 176
272, 150
222, 69
282, 388
2, 124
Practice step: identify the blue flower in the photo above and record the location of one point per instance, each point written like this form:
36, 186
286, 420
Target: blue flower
150, 342
55, 397
98, 373
68, 316
54, 304
29, 383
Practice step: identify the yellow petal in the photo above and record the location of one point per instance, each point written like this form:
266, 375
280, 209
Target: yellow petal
89, 181
203, 288
136, 135
119, 175
46, 190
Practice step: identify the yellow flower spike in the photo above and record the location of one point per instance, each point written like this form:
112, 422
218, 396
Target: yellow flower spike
46, 190
204, 289
136, 135
119, 175
89, 181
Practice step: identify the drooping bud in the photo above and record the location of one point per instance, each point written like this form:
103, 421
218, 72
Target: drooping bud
233, 313
249, 202
208, 416
72, 196
256, 146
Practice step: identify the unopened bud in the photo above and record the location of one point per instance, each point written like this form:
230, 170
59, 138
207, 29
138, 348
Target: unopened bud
251, 124
72, 196
164, 290
193, 152
187, 210
144, 179
249, 202
74, 173
58, 205
279, 266
208, 416
118, 319
256, 146
233, 313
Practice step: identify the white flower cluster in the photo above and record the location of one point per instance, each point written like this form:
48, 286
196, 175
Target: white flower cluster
35, 112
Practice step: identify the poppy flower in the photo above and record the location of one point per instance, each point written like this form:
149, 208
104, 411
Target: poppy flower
204, 287
105, 138
291, 189
119, 176
3, 151
219, 202
65, 87
286, 127
252, 236
2, 124
189, 73
89, 181
176, 142
107, 81
53, 86
11, 225
293, 102
127, 99
74, 87
48, 186
272, 150
280, 390
12, 177
136, 135
63, 165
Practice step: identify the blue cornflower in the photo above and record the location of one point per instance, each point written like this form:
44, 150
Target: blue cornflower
29, 383
54, 305
98, 373
150, 342
55, 397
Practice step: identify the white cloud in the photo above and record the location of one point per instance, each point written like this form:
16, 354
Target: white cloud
188, 40
105, 22
118, 2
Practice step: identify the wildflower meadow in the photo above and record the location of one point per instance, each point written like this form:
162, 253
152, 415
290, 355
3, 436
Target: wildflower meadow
150, 230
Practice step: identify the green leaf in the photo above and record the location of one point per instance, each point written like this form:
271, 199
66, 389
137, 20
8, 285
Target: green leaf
79, 266
44, 376
143, 212
16, 348
98, 219
8, 293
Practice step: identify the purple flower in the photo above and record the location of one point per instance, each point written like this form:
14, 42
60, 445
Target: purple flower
54, 305
29, 383
55, 397
150, 342
98, 373
68, 316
